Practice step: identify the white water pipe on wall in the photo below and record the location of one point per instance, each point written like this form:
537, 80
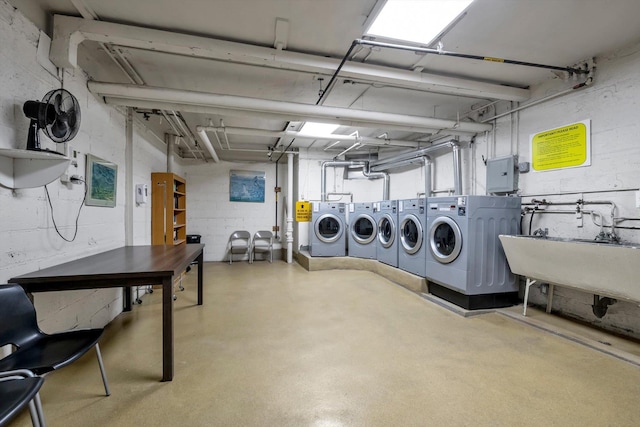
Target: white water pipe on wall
289, 231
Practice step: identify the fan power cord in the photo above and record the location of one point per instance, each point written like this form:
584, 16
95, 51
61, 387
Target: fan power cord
74, 179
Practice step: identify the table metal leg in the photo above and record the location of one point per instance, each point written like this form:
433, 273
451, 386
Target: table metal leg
200, 262
167, 328
127, 299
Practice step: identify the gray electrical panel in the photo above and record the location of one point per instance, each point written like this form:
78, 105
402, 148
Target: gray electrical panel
501, 175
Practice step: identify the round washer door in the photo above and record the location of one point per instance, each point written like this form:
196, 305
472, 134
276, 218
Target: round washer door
411, 234
445, 240
328, 228
363, 229
386, 231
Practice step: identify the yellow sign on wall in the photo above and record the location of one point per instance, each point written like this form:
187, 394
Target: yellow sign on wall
565, 147
303, 211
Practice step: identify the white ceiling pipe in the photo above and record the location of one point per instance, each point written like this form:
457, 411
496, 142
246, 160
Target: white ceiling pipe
207, 144
293, 110
69, 32
298, 135
270, 116
346, 150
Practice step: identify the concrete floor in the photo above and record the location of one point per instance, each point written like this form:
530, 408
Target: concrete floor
276, 345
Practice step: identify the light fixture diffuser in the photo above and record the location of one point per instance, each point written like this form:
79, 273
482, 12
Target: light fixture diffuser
418, 21
314, 128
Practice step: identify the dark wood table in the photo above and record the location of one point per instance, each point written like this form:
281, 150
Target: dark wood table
125, 267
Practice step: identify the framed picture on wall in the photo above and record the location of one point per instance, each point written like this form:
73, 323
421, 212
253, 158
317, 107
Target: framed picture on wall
246, 186
102, 182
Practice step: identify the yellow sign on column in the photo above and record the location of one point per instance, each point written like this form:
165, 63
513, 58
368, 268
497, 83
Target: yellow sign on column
303, 211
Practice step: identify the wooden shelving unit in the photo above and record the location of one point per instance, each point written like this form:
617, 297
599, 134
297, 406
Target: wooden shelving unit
168, 209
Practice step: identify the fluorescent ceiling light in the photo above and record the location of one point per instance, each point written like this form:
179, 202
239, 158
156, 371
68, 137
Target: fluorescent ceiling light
313, 128
417, 21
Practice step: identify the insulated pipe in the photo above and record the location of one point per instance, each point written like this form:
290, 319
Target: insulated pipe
457, 170
207, 144
289, 231
386, 163
158, 105
69, 32
169, 140
374, 175
427, 176
122, 93
333, 163
298, 135
425, 160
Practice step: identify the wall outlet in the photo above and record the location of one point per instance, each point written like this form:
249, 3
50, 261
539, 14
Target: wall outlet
638, 199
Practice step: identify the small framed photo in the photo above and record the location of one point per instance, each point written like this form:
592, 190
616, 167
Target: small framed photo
102, 182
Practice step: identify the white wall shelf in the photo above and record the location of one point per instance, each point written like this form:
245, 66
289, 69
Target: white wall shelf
28, 169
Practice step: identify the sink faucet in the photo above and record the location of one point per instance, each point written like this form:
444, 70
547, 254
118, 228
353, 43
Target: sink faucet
607, 237
542, 233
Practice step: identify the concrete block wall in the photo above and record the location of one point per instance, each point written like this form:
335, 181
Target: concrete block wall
214, 217
611, 106
28, 240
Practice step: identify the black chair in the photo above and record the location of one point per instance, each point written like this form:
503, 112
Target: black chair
34, 350
17, 390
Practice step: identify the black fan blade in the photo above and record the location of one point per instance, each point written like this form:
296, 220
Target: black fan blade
60, 128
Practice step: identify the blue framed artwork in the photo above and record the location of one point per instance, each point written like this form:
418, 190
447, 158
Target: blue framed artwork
102, 181
246, 186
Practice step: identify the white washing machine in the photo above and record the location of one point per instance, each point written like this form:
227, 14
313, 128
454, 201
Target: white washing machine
412, 220
363, 231
386, 216
466, 264
327, 234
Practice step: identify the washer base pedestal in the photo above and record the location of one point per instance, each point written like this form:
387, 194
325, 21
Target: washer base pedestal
474, 302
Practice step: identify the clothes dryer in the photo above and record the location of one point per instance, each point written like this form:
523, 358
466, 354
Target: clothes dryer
327, 235
466, 264
386, 216
412, 220
363, 231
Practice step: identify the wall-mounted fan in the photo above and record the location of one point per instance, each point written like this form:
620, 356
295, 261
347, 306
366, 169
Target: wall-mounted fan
58, 115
